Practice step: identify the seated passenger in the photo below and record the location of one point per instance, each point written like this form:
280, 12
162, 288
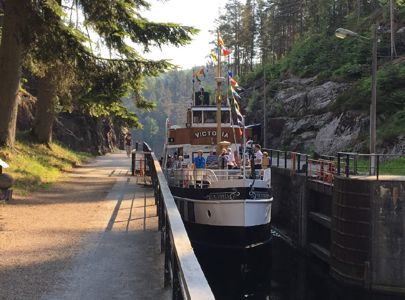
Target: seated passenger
212, 160
223, 159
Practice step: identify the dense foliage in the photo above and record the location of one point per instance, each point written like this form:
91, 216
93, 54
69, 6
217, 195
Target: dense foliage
296, 38
279, 39
61, 38
172, 94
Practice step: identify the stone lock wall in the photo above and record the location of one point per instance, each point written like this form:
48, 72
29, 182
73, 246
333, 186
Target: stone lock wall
388, 236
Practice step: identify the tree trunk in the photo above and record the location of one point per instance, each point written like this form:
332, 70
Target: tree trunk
11, 49
47, 100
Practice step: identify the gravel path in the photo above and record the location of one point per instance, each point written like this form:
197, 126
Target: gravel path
88, 237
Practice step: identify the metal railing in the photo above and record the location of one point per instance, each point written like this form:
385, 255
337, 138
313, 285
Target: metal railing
200, 178
138, 163
295, 161
322, 169
357, 164
182, 270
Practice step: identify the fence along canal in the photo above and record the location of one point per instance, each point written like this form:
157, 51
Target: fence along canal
182, 270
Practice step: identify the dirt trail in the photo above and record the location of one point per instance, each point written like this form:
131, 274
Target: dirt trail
73, 240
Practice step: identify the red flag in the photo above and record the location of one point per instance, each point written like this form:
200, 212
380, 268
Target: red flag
233, 82
226, 52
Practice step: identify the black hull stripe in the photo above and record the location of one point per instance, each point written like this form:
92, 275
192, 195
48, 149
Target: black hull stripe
221, 193
231, 237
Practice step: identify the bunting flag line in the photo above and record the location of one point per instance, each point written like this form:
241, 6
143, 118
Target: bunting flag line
236, 109
214, 56
220, 42
233, 82
236, 106
201, 72
234, 93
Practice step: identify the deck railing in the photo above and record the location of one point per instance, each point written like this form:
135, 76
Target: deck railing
182, 270
297, 162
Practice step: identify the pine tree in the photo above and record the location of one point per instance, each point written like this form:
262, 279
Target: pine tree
248, 35
115, 22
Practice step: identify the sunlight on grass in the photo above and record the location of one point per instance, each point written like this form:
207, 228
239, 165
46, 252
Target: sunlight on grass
36, 166
393, 166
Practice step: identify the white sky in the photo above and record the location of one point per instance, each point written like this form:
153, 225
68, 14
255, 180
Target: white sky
200, 14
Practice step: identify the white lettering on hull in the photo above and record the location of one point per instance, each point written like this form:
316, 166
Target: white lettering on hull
209, 133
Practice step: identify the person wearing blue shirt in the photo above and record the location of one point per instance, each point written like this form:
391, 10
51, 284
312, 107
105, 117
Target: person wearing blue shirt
211, 160
199, 161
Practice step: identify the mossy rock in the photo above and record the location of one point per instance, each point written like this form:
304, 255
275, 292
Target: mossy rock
6, 181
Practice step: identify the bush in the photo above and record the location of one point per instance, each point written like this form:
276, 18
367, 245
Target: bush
392, 127
349, 72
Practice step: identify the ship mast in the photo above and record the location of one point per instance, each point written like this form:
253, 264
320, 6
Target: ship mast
219, 96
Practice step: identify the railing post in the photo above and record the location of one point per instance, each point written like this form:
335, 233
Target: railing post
347, 169
176, 287
285, 159
162, 224
133, 163
299, 162
168, 256
278, 158
378, 165
338, 163
271, 157
306, 163
321, 173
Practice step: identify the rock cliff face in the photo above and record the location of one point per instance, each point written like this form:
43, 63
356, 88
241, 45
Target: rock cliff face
300, 118
76, 130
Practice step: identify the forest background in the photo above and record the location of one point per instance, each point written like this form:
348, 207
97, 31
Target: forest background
273, 41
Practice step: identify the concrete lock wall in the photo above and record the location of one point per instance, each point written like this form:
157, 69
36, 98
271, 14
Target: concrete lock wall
388, 236
367, 226
351, 221
289, 192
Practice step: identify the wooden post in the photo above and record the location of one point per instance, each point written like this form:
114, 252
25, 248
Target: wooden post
219, 98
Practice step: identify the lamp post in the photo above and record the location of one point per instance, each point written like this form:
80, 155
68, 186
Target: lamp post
342, 33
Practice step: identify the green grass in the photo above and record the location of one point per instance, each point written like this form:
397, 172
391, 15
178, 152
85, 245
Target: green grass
394, 166
35, 166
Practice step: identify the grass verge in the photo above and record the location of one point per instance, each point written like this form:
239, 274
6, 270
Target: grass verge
35, 166
393, 166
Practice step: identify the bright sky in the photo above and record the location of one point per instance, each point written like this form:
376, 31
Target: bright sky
200, 14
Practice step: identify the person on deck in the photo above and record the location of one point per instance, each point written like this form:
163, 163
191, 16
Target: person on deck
237, 159
258, 157
128, 144
231, 159
211, 160
223, 159
265, 160
199, 161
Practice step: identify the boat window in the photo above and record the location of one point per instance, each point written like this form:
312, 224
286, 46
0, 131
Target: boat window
225, 117
197, 116
209, 116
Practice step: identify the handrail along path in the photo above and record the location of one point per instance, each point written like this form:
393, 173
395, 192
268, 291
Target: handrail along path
182, 269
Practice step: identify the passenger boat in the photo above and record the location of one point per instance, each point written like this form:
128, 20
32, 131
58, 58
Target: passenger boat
228, 208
